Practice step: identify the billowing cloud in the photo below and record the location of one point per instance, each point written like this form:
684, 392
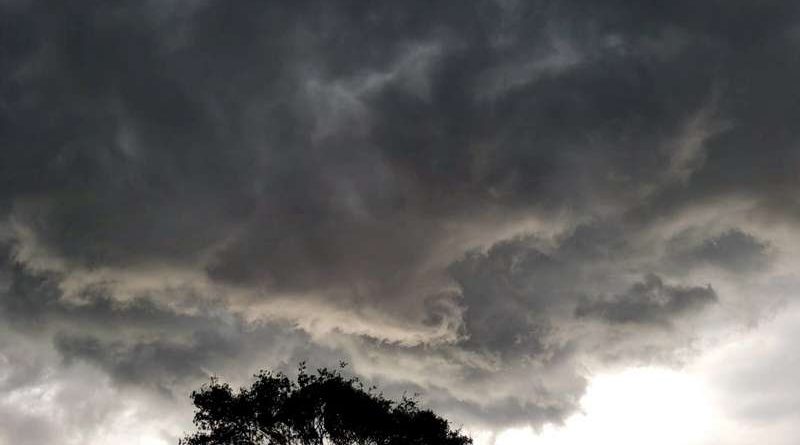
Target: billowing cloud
734, 250
650, 301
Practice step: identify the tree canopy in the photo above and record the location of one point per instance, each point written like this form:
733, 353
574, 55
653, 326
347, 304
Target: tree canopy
315, 409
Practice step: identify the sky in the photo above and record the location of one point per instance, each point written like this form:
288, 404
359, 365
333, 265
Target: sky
556, 222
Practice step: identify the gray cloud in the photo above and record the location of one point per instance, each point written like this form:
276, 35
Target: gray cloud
648, 302
145, 362
733, 250
521, 291
491, 191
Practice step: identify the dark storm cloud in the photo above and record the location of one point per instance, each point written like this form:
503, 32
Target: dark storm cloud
147, 362
148, 148
733, 250
383, 171
648, 302
522, 291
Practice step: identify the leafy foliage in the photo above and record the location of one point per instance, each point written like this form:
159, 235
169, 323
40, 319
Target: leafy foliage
316, 409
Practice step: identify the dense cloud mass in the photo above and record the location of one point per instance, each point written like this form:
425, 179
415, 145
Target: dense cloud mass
482, 202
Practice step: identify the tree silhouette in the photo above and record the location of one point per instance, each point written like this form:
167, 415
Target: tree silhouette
316, 409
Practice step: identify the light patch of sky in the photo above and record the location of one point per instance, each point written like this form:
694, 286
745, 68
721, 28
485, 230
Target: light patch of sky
634, 406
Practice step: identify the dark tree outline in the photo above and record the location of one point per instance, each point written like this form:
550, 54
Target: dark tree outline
316, 409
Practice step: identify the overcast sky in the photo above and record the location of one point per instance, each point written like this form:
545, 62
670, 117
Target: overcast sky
517, 209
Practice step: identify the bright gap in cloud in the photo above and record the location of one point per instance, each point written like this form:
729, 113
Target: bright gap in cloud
639, 405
